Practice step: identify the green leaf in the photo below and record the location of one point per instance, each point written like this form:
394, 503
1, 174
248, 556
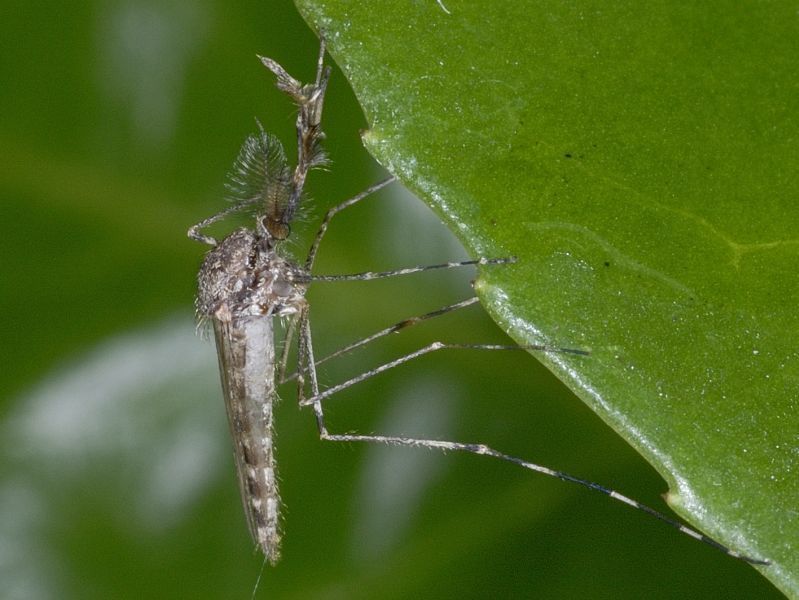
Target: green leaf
641, 162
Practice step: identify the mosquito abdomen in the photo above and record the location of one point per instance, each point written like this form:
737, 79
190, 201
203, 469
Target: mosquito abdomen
246, 352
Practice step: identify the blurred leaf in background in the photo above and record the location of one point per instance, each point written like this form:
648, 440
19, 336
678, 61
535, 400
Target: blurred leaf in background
120, 120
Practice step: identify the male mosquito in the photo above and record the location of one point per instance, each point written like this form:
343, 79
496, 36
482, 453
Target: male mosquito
247, 280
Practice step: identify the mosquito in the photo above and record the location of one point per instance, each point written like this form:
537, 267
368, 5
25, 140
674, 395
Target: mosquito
248, 279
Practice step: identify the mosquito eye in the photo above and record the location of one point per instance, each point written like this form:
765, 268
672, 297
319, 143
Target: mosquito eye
278, 230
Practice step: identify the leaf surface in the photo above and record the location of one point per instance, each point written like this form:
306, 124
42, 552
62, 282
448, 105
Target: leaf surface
641, 163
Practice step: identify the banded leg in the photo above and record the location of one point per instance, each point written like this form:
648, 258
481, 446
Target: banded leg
435, 346
396, 328
482, 450
369, 275
306, 364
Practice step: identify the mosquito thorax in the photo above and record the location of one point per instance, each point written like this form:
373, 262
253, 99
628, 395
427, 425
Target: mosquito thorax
244, 276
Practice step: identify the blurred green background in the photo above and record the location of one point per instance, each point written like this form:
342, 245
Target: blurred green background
119, 121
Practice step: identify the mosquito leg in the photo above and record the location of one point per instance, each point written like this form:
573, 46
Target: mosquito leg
194, 230
320, 61
396, 328
319, 396
336, 209
401, 325
302, 357
310, 100
481, 449
477, 449
305, 364
284, 354
368, 275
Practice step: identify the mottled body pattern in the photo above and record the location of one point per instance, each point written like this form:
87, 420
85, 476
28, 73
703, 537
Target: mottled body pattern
245, 283
244, 286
